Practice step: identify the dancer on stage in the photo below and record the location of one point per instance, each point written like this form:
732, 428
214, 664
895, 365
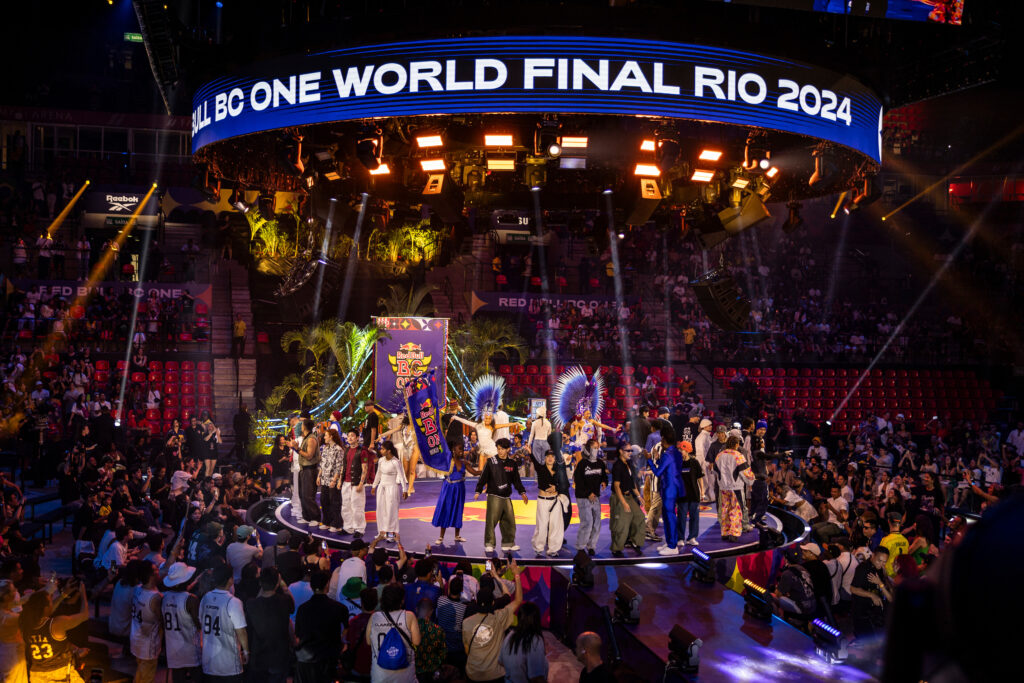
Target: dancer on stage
403, 437
328, 480
394, 488
540, 429
486, 397
499, 476
551, 504
306, 453
575, 399
733, 472
627, 515
590, 479
356, 468
666, 468
452, 500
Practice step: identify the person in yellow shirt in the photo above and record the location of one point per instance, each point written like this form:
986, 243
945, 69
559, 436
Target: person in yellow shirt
895, 542
238, 337
689, 337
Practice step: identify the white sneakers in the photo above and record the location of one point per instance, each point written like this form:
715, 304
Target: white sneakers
669, 551
511, 548
692, 541
488, 548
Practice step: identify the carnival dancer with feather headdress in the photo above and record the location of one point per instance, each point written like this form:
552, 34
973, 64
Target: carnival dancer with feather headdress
576, 399
485, 400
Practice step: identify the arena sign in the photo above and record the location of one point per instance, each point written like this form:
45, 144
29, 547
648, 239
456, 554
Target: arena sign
537, 74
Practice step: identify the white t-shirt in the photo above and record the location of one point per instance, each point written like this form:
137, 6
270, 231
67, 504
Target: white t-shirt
120, 620
500, 418
352, 567
220, 613
145, 634
301, 593
240, 554
839, 504
116, 553
803, 508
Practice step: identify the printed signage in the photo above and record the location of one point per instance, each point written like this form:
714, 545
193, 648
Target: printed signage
539, 74
416, 346
525, 302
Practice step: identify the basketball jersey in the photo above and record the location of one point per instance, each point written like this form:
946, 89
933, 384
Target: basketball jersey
181, 637
220, 645
46, 653
379, 627
145, 637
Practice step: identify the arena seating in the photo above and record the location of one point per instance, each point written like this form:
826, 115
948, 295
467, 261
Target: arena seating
916, 394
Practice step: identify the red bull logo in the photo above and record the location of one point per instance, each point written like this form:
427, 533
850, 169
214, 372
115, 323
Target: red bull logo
409, 361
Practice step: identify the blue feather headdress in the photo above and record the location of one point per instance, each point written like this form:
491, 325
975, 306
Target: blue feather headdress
575, 393
486, 395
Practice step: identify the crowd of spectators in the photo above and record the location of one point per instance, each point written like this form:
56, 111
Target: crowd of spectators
591, 334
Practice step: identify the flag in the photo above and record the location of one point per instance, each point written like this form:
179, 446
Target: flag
425, 413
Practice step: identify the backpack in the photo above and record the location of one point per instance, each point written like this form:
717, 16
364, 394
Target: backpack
393, 654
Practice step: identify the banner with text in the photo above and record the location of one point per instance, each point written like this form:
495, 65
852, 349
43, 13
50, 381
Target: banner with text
525, 302
72, 289
416, 346
541, 74
425, 409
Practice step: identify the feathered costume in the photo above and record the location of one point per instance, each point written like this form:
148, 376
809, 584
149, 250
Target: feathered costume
574, 394
487, 392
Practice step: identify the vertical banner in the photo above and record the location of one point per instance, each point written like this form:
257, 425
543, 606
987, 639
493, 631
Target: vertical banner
416, 345
425, 411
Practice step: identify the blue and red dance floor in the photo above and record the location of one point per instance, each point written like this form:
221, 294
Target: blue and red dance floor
416, 531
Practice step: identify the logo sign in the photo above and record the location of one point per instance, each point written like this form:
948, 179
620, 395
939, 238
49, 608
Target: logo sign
122, 203
416, 346
540, 74
525, 302
425, 408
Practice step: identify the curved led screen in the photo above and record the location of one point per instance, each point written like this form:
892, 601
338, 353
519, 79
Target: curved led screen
536, 74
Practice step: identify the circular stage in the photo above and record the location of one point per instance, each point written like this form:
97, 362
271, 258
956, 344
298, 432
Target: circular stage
417, 532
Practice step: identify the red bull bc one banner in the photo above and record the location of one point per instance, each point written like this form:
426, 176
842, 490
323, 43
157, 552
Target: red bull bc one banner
416, 346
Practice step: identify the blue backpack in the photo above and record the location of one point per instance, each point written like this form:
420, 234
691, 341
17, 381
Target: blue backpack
393, 654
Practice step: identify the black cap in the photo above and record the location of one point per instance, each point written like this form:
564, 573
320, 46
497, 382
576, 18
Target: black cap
357, 545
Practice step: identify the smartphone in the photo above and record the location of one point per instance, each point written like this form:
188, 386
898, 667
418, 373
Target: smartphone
323, 546
488, 566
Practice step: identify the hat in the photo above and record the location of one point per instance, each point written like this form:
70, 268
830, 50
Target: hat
214, 528
735, 432
357, 545
686, 446
761, 424
380, 556
353, 587
812, 548
216, 475
178, 574
243, 532
816, 439
705, 423
663, 410
721, 429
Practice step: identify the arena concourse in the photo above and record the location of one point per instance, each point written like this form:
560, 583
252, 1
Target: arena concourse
624, 341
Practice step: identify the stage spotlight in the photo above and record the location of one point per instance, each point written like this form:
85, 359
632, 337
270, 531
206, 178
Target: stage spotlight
497, 140
647, 171
546, 140
627, 605
501, 162
740, 183
667, 152
702, 176
369, 148
756, 154
574, 142
829, 643
825, 171
703, 570
756, 601
647, 146
383, 169
583, 570
573, 163
772, 172
242, 206
794, 220
683, 650
841, 203
869, 192
710, 155
430, 165
429, 140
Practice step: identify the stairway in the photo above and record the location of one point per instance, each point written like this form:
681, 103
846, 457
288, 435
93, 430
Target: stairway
177, 235
233, 381
231, 296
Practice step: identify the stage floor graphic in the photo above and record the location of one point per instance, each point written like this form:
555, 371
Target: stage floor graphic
417, 532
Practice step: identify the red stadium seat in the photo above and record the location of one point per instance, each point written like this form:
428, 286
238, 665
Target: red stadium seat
170, 389
155, 365
185, 365
170, 402
262, 338
153, 414
205, 378
102, 365
170, 413
204, 403
186, 377
121, 365
531, 369
138, 377
102, 376
188, 389
201, 308
170, 376
203, 366
155, 376
187, 400
204, 389
187, 413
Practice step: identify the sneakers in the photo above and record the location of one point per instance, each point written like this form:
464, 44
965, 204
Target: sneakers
617, 553
651, 536
334, 530
681, 543
509, 548
692, 541
488, 548
590, 551
661, 547
669, 551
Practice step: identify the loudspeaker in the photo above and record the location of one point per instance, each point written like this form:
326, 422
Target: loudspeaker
722, 300
643, 204
444, 197
749, 213
706, 226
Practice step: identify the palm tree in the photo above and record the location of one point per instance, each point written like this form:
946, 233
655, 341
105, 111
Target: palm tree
306, 388
411, 302
313, 339
350, 346
482, 339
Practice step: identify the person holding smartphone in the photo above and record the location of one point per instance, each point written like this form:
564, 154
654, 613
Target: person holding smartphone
483, 632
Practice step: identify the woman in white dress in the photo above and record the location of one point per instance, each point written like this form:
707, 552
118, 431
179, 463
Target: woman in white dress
485, 436
404, 439
390, 478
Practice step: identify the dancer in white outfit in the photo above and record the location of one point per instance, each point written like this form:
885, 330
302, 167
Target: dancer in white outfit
404, 439
540, 430
394, 488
